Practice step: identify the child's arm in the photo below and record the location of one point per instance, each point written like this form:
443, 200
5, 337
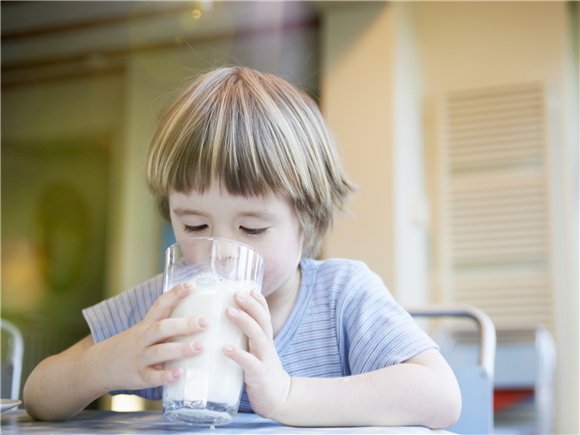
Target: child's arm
63, 385
422, 391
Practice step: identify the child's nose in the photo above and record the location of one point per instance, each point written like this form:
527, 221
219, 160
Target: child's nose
223, 249
227, 259
221, 232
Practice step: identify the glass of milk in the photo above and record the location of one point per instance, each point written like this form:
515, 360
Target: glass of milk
209, 391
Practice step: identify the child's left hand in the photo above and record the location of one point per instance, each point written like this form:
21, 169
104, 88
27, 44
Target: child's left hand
267, 383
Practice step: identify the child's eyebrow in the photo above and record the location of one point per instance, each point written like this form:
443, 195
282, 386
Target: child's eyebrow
259, 215
187, 212
256, 214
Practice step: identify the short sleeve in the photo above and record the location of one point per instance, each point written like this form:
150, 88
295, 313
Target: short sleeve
121, 312
378, 332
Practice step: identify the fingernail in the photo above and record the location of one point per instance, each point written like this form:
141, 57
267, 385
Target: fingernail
241, 296
232, 310
187, 284
256, 294
197, 345
227, 348
176, 373
202, 322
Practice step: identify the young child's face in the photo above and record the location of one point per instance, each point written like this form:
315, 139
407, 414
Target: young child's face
268, 224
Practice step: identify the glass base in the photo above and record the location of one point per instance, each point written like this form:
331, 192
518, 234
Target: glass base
199, 413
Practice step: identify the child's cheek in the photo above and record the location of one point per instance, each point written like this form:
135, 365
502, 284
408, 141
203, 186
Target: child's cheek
271, 277
277, 272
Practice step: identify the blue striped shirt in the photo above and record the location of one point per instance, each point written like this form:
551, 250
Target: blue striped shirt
345, 322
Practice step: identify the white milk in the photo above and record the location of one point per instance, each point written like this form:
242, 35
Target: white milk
210, 376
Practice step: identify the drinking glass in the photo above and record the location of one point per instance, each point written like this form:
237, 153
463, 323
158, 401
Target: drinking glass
209, 391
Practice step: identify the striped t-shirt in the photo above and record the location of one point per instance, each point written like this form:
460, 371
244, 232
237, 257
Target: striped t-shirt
344, 322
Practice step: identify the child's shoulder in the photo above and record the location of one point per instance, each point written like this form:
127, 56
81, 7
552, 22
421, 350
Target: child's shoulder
342, 282
333, 269
333, 263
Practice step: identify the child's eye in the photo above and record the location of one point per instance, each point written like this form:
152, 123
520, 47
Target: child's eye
194, 229
253, 231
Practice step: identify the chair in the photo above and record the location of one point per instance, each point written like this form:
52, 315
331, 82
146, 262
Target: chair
475, 379
12, 363
525, 364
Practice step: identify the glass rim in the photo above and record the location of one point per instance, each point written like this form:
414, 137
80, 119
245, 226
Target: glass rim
219, 239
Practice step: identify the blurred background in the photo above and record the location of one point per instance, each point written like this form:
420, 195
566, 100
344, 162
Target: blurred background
458, 121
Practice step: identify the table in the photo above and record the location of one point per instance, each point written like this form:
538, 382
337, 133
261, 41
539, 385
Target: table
153, 422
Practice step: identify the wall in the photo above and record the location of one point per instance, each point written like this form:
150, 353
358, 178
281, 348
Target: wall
356, 97
82, 110
411, 207
60, 143
371, 94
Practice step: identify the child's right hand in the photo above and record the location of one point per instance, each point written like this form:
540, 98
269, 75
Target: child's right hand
134, 359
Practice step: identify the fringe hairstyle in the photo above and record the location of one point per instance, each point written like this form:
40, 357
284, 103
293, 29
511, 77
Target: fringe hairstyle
254, 133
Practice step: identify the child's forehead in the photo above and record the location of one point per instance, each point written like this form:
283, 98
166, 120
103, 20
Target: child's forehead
223, 207
216, 193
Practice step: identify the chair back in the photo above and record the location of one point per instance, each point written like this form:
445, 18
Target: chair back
12, 362
475, 380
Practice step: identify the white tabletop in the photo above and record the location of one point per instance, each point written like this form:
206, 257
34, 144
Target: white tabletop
153, 422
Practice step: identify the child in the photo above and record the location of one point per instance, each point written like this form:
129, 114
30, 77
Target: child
246, 156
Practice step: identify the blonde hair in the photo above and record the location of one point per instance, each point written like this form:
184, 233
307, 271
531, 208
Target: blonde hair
254, 133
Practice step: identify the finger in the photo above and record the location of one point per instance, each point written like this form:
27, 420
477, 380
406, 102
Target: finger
257, 340
161, 353
260, 298
174, 327
251, 365
165, 303
255, 305
154, 377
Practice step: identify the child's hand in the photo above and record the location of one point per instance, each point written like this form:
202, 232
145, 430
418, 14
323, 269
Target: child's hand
135, 358
267, 383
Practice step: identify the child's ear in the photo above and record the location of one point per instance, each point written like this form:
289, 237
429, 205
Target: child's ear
305, 242
310, 245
